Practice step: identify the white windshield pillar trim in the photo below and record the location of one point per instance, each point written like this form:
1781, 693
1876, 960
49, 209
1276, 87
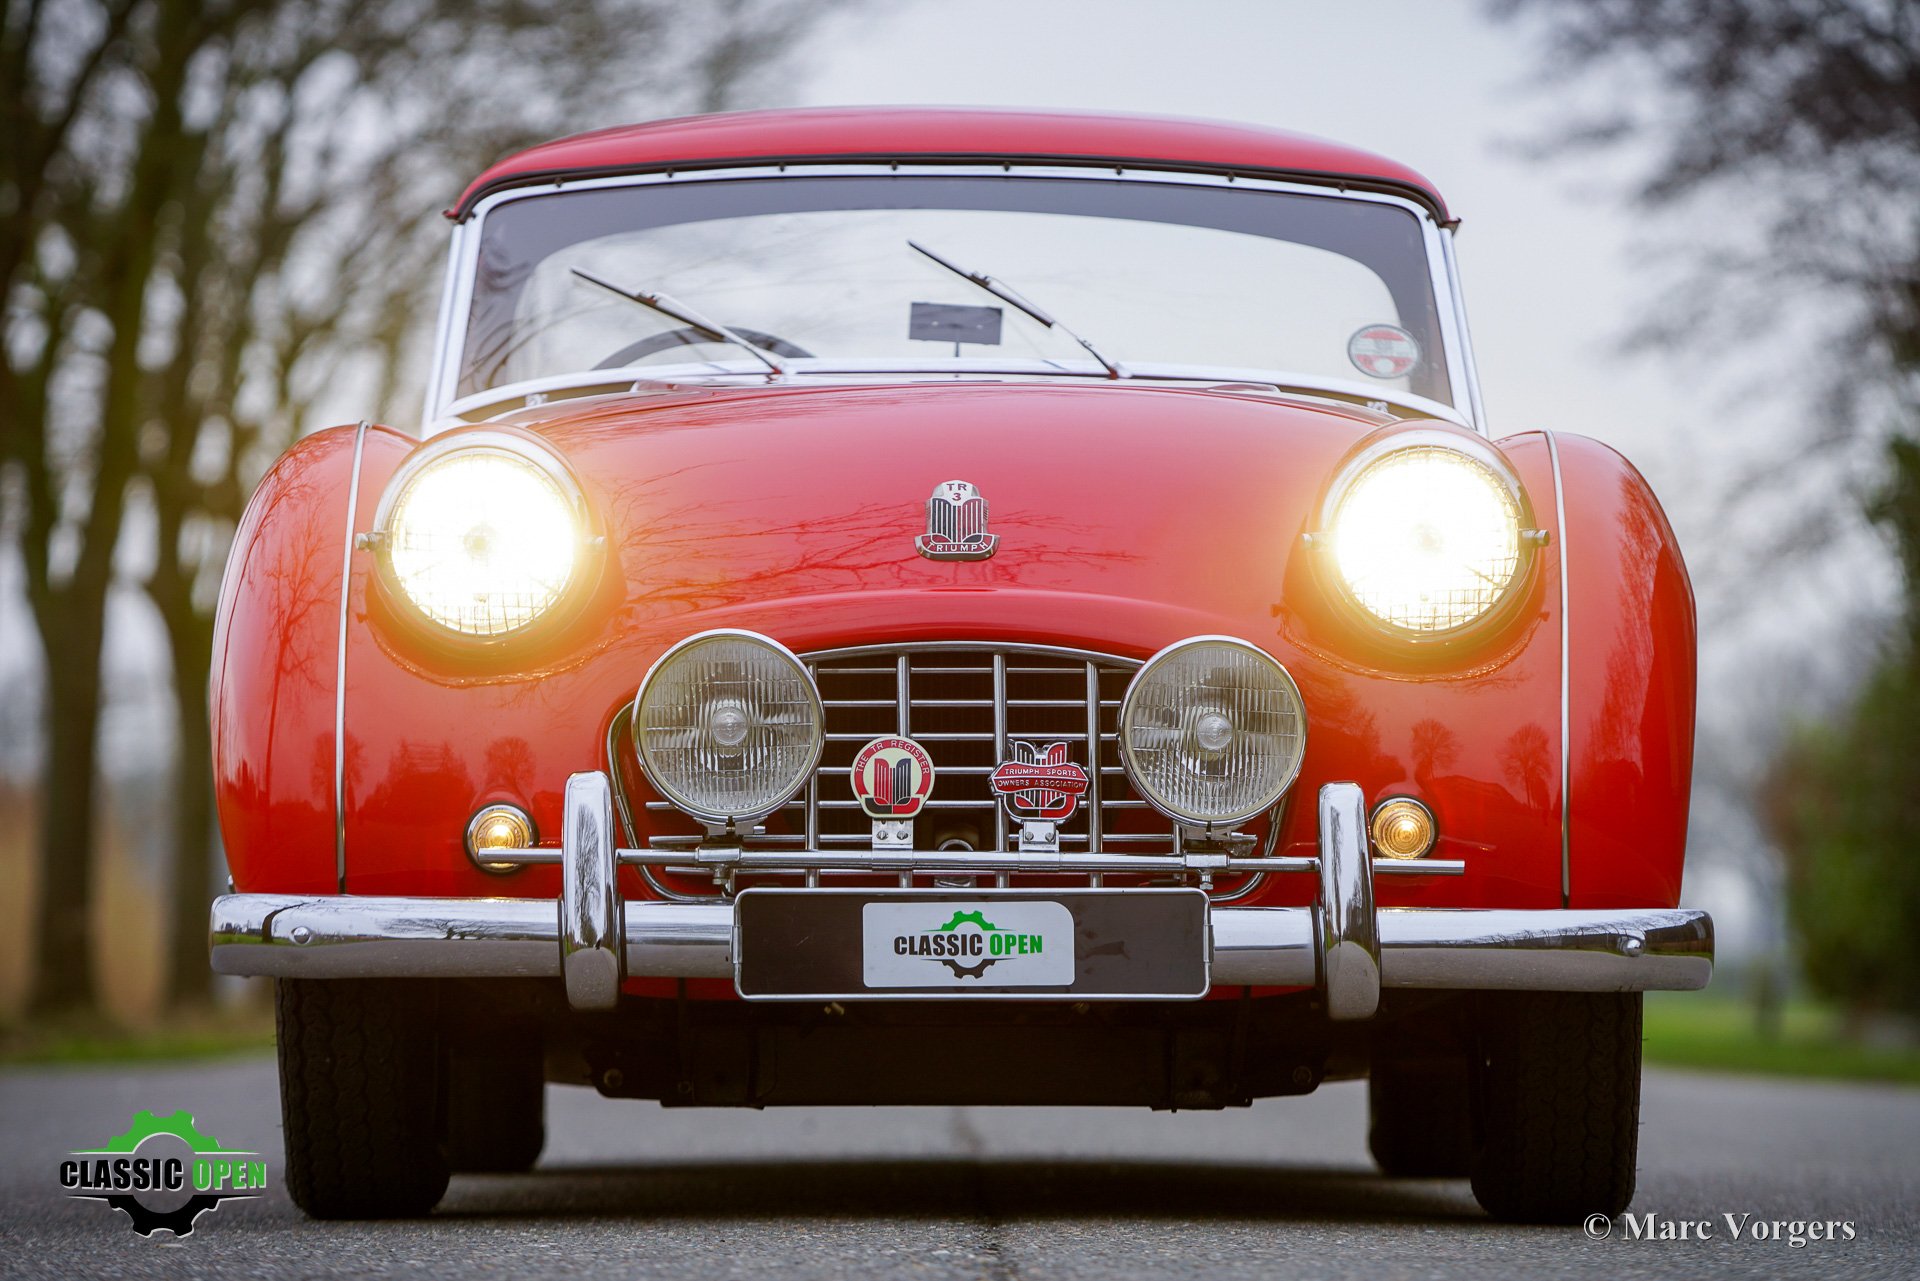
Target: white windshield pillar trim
1462, 339
440, 375
451, 341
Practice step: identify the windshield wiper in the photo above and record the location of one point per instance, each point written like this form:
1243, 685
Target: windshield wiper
1007, 295
687, 316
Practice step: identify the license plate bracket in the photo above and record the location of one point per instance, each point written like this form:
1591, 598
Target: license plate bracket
966, 944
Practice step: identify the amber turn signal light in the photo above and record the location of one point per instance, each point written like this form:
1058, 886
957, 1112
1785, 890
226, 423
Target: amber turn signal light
1402, 828
495, 829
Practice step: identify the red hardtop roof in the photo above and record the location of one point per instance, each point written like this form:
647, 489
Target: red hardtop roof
948, 133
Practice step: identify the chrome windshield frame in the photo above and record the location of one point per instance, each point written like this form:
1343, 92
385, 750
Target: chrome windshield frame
444, 410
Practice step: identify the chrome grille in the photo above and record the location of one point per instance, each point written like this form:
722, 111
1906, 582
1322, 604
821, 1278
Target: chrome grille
967, 705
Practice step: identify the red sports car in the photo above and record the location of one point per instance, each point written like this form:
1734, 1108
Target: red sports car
955, 607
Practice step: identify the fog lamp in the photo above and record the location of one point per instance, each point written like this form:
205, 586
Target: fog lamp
728, 726
1212, 731
495, 829
1402, 828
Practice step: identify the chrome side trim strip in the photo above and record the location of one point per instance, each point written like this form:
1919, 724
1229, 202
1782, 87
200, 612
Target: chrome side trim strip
340, 670
1349, 943
1566, 681
1624, 950
590, 927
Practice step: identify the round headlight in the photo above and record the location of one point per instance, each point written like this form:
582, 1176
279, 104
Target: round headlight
1212, 731
728, 726
1426, 538
482, 537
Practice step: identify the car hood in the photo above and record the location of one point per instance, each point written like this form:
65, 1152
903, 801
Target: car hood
732, 498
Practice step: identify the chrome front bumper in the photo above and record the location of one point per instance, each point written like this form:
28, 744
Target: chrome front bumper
591, 939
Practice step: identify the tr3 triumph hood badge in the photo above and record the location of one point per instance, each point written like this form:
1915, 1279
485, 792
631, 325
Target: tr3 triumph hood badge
956, 524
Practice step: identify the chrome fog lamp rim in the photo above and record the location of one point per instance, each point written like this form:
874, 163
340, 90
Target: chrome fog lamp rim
1135, 772
587, 540
712, 817
1529, 538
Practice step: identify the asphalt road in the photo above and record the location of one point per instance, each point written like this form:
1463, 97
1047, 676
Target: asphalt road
1281, 1189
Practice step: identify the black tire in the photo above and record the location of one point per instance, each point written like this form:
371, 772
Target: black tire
1556, 1104
1419, 1118
496, 1110
362, 1088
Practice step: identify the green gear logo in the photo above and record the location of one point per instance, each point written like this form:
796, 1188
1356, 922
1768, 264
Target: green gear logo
961, 918
960, 969
157, 1185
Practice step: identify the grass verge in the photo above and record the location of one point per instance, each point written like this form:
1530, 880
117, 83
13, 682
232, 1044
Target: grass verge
195, 1034
1697, 1030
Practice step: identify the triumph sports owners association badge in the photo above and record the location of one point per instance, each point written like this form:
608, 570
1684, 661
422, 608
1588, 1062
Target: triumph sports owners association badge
956, 524
1039, 782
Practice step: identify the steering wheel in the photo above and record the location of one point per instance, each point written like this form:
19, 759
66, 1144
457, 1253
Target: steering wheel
688, 336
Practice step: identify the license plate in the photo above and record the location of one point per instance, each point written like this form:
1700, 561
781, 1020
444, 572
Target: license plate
800, 944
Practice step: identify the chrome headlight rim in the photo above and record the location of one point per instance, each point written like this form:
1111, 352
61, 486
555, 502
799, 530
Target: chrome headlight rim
1207, 823
589, 545
1476, 450
673, 796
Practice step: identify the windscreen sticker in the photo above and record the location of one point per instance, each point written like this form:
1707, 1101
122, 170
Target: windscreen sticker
1383, 351
947, 322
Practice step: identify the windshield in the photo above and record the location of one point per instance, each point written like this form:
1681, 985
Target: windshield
1328, 289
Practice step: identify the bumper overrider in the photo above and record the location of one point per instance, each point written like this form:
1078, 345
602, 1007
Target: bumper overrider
592, 940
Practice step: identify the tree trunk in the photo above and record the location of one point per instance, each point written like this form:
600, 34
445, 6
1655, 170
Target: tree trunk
191, 980
63, 955
72, 616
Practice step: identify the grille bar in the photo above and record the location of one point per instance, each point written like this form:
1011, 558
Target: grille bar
967, 705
